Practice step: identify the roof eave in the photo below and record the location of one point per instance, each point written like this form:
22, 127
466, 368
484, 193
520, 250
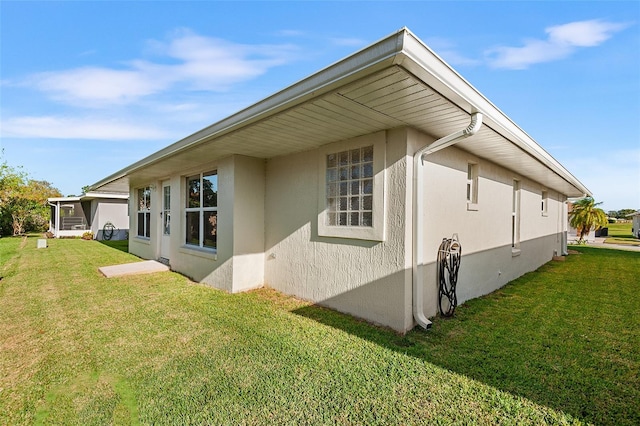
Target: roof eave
377, 56
440, 76
402, 48
63, 199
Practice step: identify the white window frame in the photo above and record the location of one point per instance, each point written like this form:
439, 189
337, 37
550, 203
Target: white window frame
166, 210
544, 204
472, 186
515, 218
375, 232
200, 210
143, 206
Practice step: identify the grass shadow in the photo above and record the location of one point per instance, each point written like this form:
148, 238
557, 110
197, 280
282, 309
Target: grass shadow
122, 245
625, 237
563, 337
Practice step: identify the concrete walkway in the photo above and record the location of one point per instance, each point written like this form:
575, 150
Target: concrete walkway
136, 268
599, 242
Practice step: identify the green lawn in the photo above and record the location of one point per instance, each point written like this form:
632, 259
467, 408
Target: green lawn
558, 346
620, 233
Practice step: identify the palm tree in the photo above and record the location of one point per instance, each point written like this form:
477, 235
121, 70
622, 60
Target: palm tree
585, 216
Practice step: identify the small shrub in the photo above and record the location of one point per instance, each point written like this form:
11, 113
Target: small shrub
87, 235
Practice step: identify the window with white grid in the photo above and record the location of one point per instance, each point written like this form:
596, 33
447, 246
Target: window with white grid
351, 182
472, 186
144, 212
350, 187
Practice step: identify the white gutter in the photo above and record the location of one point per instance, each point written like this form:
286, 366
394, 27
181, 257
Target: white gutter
418, 209
366, 61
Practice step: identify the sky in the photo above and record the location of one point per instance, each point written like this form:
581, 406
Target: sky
88, 88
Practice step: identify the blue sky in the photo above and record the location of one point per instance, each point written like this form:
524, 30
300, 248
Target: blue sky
87, 88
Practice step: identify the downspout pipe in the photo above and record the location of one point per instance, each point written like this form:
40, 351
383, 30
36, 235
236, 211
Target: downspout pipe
55, 225
418, 210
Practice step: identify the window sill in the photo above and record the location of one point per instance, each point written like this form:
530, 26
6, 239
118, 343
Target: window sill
472, 207
205, 253
142, 240
351, 233
515, 252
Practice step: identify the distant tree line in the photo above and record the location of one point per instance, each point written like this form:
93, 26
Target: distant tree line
23, 201
620, 214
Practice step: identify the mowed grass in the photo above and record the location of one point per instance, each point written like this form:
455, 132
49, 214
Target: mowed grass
620, 233
559, 346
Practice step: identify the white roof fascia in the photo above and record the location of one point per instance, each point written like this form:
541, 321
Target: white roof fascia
402, 48
89, 196
112, 196
441, 77
377, 56
63, 199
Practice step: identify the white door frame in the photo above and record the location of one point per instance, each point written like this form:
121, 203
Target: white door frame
165, 222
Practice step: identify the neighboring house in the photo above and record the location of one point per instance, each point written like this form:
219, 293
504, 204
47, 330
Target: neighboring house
635, 223
340, 188
103, 214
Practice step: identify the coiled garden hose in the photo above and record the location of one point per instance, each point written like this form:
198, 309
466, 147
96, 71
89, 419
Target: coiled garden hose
449, 255
107, 231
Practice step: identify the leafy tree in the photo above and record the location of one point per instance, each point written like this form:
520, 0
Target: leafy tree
23, 201
585, 216
622, 214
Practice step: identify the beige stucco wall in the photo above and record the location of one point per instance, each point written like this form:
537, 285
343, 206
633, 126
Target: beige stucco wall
238, 263
248, 223
368, 279
114, 211
488, 260
268, 231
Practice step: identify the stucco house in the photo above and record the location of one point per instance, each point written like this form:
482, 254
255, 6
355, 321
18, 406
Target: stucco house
340, 188
106, 215
635, 223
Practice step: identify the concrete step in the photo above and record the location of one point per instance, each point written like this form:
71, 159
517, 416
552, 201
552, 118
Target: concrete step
136, 268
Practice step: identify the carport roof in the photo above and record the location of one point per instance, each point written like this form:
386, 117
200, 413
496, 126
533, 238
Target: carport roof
91, 196
397, 81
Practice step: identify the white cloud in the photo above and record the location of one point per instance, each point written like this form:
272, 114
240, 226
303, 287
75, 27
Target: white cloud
584, 33
102, 85
52, 127
188, 59
448, 51
290, 33
561, 41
